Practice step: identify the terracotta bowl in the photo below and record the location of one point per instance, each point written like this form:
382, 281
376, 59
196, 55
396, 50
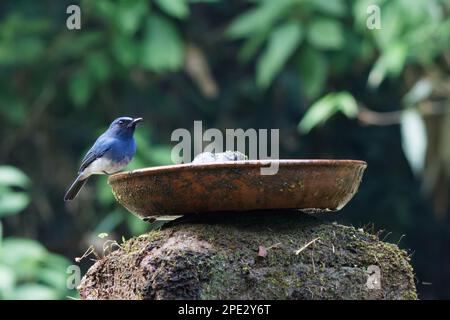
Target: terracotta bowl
308, 185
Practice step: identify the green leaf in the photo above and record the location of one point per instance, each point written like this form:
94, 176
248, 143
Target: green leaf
313, 70
360, 15
421, 90
347, 104
258, 19
7, 279
414, 139
326, 107
392, 26
25, 256
13, 202
326, 33
162, 47
55, 261
124, 50
129, 15
282, 43
318, 113
11, 176
33, 292
390, 63
54, 278
16, 251
251, 46
80, 87
106, 9
336, 8
174, 8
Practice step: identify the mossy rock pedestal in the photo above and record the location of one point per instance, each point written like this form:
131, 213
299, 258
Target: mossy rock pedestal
251, 256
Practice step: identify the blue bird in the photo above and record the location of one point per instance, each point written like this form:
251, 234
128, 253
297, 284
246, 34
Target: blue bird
112, 151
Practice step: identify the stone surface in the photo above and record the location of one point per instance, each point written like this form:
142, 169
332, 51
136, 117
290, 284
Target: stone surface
251, 256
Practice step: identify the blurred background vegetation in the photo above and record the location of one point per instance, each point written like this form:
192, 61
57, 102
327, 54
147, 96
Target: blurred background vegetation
334, 87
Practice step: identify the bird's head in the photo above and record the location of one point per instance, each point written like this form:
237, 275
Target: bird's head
124, 126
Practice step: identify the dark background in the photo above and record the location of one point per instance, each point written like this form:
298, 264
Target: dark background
376, 95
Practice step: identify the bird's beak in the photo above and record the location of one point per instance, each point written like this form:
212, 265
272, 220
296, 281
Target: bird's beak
135, 121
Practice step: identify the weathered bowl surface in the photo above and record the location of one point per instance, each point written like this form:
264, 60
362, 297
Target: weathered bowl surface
308, 185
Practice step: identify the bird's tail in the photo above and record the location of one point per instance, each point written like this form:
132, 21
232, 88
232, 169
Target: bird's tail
75, 188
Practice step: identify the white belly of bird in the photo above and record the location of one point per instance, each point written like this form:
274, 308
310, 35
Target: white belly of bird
104, 166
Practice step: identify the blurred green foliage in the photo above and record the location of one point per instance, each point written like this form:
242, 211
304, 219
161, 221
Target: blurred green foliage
27, 269
288, 64
324, 108
303, 32
12, 201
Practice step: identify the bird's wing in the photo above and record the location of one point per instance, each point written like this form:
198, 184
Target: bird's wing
100, 147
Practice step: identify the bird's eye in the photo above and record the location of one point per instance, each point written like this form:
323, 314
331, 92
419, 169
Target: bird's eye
121, 122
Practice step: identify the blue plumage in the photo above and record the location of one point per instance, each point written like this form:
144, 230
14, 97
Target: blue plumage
112, 151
